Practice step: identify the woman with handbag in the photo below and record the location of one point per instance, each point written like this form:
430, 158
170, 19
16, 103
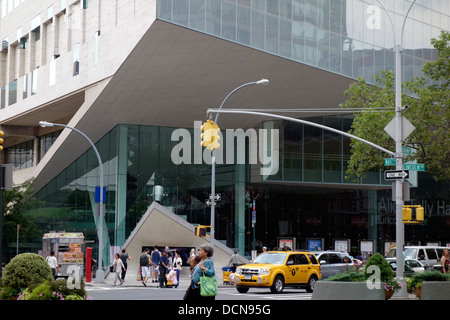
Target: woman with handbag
204, 269
117, 269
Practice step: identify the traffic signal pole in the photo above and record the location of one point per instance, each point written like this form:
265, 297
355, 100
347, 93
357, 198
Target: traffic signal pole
213, 158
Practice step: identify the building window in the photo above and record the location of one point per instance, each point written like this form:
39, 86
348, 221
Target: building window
25, 87
34, 82
2, 97
21, 155
37, 33
12, 92
76, 60
45, 142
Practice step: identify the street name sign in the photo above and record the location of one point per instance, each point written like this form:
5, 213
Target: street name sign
414, 166
406, 150
390, 162
396, 174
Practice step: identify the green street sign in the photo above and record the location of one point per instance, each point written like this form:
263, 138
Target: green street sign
414, 166
389, 162
406, 150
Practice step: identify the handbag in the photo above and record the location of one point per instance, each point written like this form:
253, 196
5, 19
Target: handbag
208, 286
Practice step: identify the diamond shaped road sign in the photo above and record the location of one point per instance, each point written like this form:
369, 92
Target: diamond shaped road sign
407, 128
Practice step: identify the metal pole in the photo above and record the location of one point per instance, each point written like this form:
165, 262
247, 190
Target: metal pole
213, 159
1, 219
17, 240
264, 114
400, 228
99, 275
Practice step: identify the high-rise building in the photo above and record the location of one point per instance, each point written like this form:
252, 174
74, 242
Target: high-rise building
138, 76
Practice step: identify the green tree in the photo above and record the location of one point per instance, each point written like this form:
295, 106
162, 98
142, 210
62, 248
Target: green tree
428, 100
16, 205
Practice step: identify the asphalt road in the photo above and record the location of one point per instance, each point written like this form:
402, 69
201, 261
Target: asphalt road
106, 291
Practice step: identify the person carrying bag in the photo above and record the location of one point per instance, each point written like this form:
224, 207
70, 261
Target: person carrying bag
203, 283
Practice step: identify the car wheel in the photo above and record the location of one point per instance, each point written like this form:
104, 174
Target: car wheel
311, 283
278, 284
242, 289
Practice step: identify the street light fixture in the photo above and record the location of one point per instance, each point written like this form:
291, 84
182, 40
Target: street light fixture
99, 275
213, 157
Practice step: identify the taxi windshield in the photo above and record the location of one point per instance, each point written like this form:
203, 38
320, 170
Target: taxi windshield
271, 257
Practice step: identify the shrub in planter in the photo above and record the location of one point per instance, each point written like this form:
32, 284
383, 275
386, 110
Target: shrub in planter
26, 269
416, 280
54, 290
60, 286
386, 272
39, 292
347, 277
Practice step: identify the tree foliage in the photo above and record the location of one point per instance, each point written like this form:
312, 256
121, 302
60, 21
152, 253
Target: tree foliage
15, 207
428, 102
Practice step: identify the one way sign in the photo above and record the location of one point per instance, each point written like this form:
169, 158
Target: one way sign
396, 174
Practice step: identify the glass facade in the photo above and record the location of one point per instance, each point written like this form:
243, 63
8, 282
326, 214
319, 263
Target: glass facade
307, 198
353, 38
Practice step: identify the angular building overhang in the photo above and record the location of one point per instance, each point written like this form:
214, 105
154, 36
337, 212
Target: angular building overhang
153, 228
175, 74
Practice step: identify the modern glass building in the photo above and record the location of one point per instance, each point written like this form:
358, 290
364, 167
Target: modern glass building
139, 85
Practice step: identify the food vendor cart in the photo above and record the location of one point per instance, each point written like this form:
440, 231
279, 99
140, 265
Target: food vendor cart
69, 250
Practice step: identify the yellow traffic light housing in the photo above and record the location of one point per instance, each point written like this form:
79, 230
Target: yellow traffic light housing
420, 214
210, 136
2, 134
408, 216
202, 231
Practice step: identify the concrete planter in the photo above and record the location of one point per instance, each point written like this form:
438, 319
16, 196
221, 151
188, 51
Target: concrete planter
337, 290
435, 290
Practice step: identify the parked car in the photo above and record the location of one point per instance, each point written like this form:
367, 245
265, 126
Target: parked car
277, 269
333, 262
427, 255
412, 266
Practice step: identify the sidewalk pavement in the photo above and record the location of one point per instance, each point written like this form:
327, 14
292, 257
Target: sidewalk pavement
130, 280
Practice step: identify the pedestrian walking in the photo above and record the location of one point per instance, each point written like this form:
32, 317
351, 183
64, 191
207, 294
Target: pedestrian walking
124, 257
145, 262
117, 269
163, 266
234, 260
206, 267
445, 261
169, 256
156, 257
177, 263
53, 264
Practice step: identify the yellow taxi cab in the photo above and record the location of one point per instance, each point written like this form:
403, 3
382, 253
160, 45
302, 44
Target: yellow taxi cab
278, 269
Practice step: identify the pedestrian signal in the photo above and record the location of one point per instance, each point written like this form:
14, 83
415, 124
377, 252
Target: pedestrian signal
408, 217
202, 231
407, 214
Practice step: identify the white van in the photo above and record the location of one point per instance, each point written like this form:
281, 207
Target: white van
428, 255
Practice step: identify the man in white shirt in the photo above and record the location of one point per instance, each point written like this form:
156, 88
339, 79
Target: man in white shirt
53, 263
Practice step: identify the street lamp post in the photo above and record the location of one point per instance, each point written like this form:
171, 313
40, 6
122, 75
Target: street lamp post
99, 275
213, 157
399, 202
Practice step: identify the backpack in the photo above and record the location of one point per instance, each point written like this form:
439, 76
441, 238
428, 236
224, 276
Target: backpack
144, 260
